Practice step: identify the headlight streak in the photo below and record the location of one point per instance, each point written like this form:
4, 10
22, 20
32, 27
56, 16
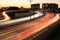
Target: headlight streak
19, 20
6, 17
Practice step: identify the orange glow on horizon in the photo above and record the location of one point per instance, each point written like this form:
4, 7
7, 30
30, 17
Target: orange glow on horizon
24, 3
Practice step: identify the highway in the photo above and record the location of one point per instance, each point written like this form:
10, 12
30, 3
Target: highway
21, 31
21, 19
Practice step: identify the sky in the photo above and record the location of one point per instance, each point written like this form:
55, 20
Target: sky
25, 3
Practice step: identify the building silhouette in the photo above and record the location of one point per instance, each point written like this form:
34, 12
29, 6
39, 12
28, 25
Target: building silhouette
49, 6
35, 6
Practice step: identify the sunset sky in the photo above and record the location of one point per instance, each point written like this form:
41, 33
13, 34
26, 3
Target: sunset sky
25, 3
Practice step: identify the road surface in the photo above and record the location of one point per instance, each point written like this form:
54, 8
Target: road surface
21, 31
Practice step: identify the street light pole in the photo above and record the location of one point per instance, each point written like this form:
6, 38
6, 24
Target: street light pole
30, 1
30, 4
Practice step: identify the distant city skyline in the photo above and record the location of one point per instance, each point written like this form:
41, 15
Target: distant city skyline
25, 3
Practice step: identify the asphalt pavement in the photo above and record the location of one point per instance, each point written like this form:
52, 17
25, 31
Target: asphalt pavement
21, 31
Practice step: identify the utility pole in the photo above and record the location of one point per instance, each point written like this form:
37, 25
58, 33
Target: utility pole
30, 1
30, 10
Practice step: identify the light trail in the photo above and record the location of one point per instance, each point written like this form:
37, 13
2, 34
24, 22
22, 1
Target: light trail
37, 28
6, 17
22, 31
20, 19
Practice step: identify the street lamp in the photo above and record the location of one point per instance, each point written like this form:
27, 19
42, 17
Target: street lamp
30, 1
30, 4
